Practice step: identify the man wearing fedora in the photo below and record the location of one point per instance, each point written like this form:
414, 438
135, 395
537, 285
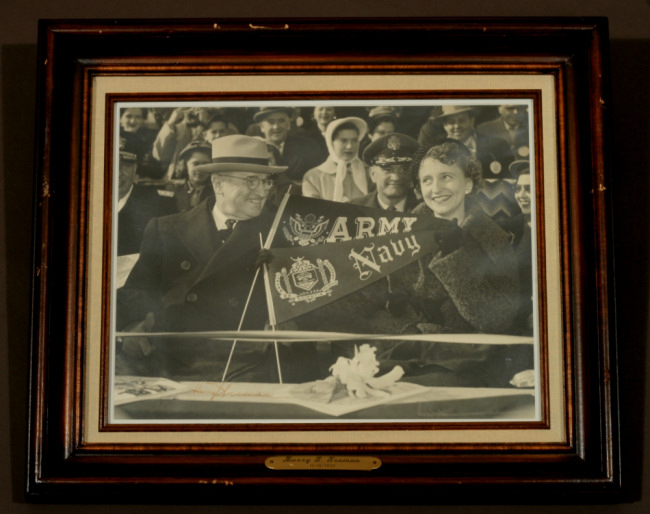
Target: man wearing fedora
458, 121
297, 153
496, 196
195, 274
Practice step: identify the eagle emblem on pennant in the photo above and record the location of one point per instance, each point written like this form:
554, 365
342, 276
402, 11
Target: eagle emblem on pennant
306, 231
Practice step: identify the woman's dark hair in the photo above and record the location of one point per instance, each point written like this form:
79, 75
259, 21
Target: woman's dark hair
348, 125
375, 121
449, 152
144, 111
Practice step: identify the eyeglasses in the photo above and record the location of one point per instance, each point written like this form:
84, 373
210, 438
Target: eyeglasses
254, 182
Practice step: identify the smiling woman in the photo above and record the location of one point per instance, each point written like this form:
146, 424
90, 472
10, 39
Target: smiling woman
471, 285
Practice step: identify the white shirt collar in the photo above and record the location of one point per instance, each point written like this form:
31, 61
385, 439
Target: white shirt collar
399, 206
220, 218
122, 201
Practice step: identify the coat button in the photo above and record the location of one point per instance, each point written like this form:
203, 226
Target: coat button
185, 265
234, 302
192, 297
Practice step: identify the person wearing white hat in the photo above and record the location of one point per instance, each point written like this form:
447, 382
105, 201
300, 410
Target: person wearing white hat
195, 273
343, 176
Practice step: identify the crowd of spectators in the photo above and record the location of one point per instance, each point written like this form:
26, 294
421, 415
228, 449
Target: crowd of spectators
465, 166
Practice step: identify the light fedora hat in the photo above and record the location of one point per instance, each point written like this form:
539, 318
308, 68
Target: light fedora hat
240, 153
450, 110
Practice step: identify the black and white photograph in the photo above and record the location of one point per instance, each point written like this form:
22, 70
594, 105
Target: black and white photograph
265, 266
324, 260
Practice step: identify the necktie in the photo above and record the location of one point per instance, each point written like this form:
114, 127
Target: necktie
225, 233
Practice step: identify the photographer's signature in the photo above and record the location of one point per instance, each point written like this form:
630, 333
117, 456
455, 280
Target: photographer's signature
218, 391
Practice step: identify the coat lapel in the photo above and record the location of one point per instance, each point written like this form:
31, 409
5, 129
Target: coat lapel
244, 240
197, 232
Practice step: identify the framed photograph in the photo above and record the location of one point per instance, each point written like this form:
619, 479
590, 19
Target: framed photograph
278, 258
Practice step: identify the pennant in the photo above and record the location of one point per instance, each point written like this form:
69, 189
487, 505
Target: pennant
310, 221
325, 250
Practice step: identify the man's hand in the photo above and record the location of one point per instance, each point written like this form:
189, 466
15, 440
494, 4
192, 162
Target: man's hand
139, 347
177, 116
448, 238
264, 257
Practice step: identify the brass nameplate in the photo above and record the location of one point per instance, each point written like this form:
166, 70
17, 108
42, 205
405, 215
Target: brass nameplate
323, 462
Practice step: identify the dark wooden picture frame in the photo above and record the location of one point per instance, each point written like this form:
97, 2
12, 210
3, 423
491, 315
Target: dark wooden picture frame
75, 456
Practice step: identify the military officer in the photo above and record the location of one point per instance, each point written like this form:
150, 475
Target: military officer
389, 159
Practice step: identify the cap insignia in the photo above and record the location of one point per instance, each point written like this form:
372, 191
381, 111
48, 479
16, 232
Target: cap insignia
393, 143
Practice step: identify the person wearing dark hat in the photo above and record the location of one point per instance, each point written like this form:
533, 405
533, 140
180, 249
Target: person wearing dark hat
297, 153
137, 203
458, 123
191, 191
512, 127
140, 139
389, 160
494, 154
382, 120
195, 274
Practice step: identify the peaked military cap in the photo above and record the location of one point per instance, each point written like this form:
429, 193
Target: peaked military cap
392, 148
519, 167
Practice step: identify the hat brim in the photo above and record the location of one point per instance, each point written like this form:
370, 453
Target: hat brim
218, 167
461, 111
259, 116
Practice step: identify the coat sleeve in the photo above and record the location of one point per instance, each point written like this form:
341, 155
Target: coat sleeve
164, 145
142, 291
311, 185
483, 285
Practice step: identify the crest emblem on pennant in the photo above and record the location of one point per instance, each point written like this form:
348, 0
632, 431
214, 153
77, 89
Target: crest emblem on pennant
305, 281
306, 231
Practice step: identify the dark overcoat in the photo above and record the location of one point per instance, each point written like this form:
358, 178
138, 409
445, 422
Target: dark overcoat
143, 204
473, 289
300, 154
497, 128
189, 279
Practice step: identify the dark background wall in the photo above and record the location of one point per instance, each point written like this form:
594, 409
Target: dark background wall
630, 54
